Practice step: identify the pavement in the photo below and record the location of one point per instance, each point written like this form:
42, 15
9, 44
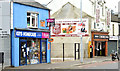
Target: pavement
63, 65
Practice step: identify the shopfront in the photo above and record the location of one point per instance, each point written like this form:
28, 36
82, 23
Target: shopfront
34, 47
100, 43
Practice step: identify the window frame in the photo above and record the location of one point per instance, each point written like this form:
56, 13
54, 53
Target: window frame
35, 15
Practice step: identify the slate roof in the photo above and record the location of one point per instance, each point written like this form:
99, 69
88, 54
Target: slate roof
32, 3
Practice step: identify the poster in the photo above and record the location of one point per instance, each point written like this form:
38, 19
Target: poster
42, 22
70, 27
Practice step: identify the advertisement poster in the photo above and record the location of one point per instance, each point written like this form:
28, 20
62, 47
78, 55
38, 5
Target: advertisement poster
42, 22
70, 27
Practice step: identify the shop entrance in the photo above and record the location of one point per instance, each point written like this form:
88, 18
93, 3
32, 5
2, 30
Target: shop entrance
43, 51
99, 48
23, 52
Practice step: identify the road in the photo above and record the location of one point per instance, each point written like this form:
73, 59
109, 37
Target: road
99, 65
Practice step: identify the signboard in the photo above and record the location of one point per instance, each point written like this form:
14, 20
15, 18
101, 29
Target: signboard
108, 18
101, 37
31, 34
4, 34
42, 22
50, 39
45, 35
97, 14
70, 27
51, 22
113, 37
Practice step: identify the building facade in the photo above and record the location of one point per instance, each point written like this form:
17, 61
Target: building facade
99, 19
24, 33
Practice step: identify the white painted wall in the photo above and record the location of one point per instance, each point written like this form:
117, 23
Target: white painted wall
116, 29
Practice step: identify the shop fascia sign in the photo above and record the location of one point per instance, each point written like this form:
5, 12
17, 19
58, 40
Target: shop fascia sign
101, 36
31, 34
113, 37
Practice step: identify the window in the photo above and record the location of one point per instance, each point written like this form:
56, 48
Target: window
113, 29
32, 20
119, 29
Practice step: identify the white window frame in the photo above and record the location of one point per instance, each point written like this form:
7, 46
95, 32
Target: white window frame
36, 21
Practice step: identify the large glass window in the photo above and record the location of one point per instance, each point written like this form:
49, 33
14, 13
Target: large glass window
32, 50
32, 20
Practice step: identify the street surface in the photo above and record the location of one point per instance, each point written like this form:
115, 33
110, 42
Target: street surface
90, 63
101, 65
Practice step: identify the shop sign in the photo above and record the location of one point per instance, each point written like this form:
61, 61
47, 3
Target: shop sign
70, 27
31, 34
108, 18
4, 34
51, 22
48, 46
113, 37
50, 39
101, 37
45, 35
42, 22
97, 14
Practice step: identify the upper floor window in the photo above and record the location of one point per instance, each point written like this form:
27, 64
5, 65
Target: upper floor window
32, 20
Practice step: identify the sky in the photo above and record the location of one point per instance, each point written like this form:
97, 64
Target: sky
112, 4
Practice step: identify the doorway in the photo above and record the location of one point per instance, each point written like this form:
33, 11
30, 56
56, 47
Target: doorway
77, 51
99, 48
43, 51
23, 52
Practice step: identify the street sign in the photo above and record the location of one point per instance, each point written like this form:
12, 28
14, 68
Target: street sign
50, 39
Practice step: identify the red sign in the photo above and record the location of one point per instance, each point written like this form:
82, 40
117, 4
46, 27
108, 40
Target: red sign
45, 35
97, 15
56, 29
108, 17
50, 20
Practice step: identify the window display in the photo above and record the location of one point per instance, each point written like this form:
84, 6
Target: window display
32, 51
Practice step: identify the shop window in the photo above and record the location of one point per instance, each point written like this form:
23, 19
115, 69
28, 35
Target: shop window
32, 20
32, 50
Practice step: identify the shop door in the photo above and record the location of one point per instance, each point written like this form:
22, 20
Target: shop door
43, 51
23, 52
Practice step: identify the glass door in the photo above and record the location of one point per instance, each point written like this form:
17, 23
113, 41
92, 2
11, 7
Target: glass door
43, 51
23, 52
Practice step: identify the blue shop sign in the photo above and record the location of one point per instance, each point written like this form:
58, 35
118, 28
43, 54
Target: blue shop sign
29, 34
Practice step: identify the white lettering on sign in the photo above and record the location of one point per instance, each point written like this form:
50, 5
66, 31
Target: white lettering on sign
18, 33
29, 34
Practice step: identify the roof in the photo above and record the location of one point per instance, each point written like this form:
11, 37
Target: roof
68, 11
32, 3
